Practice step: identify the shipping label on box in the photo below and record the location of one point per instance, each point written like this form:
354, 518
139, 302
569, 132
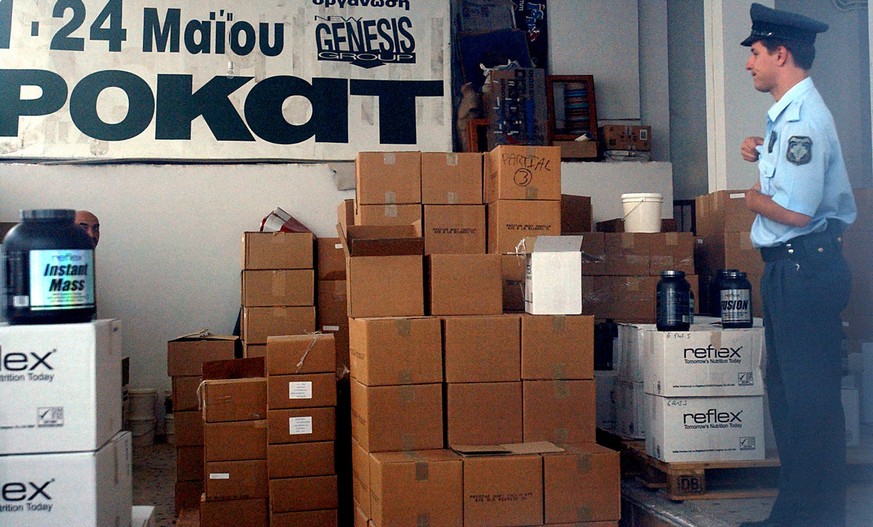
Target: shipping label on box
85, 489
301, 425
60, 385
553, 278
705, 361
301, 390
705, 428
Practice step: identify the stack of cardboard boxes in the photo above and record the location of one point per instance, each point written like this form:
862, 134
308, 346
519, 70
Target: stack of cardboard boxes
331, 306
63, 456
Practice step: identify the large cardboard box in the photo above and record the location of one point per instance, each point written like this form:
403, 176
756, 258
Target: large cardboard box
235, 480
593, 253
277, 250
188, 428
454, 229
330, 261
577, 149
482, 348
627, 253
559, 411
582, 484
576, 214
705, 428
301, 425
258, 323
504, 490
301, 390
626, 137
185, 392
557, 347
387, 214
451, 178
424, 487
513, 269
310, 493
384, 266
332, 305
322, 518
465, 284
186, 354
523, 173
235, 440
187, 494
87, 489
387, 177
395, 351
389, 418
294, 460
671, 250
279, 287
361, 478
288, 354
723, 211
511, 221
729, 250
189, 463
234, 399
233, 513
483, 413
553, 277
61, 386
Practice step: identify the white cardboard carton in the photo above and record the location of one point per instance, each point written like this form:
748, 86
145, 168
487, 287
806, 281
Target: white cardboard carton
705, 428
553, 281
60, 385
628, 359
704, 362
605, 384
85, 489
630, 409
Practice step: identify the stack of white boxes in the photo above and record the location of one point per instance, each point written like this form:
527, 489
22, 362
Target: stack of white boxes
63, 456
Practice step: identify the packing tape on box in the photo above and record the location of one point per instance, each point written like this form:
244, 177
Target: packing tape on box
278, 284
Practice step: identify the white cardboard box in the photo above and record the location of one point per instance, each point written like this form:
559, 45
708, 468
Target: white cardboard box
630, 409
60, 386
705, 428
628, 359
84, 489
143, 516
704, 362
553, 281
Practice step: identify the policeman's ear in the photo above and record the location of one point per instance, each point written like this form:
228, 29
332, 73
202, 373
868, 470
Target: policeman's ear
781, 55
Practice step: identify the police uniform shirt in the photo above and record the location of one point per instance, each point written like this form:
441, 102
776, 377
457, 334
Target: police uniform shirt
801, 166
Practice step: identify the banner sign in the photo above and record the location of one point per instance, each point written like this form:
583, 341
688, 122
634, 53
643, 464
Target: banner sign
196, 79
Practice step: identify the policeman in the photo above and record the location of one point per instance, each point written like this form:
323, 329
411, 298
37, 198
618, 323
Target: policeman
803, 200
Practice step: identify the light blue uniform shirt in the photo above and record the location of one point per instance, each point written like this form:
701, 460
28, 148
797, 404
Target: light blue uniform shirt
801, 165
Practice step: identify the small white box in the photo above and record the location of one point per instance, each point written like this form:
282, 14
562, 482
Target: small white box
143, 516
604, 381
630, 409
85, 489
60, 385
704, 362
705, 428
553, 281
628, 361
852, 410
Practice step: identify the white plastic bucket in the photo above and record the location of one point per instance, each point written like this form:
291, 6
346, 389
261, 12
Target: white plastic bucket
141, 403
642, 212
142, 431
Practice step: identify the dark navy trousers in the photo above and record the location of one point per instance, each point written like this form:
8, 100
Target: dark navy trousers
802, 304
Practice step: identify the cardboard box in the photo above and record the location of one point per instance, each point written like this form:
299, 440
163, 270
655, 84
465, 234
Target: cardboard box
631, 418
387, 214
451, 178
294, 460
186, 354
388, 418
330, 261
387, 178
624, 137
233, 513
557, 347
385, 270
280, 287
277, 250
705, 428
721, 212
732, 250
361, 478
465, 284
593, 253
322, 518
189, 428
482, 348
234, 480
332, 306
189, 463
559, 411
309, 493
258, 323
503, 490
92, 488
416, 488
187, 494
522, 173
185, 392
301, 425
576, 214
627, 253
301, 390
553, 276
235, 440
61, 386
582, 484
671, 250
515, 101
234, 399
577, 149
511, 221
251, 351
627, 298
287, 354
345, 215
617, 225
454, 229
513, 268
395, 351
483, 413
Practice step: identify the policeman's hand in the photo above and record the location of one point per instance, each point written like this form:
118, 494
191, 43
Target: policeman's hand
749, 148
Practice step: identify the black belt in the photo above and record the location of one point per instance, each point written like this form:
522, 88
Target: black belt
828, 242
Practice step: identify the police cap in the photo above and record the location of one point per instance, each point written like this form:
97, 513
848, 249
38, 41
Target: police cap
770, 23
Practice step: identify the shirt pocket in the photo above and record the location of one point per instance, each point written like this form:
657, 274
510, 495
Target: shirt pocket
767, 167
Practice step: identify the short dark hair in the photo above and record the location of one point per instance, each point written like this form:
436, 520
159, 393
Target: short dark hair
803, 52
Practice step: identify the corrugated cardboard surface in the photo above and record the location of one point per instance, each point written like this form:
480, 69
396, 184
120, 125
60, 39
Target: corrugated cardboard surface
582, 484
388, 177
451, 178
258, 323
387, 214
280, 287
511, 221
233, 513
416, 488
185, 356
294, 460
361, 478
189, 463
557, 347
302, 390
486, 413
332, 303
503, 490
381, 286
513, 269
233, 480
394, 351
277, 250
482, 348
301, 425
322, 518
390, 418
723, 211
189, 428
465, 284
234, 399
560, 411
732, 250
185, 393
576, 213
287, 354
331, 260
454, 229
303, 494
235, 441
522, 173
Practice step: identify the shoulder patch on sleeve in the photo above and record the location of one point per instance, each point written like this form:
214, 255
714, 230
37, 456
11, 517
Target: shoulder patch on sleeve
799, 149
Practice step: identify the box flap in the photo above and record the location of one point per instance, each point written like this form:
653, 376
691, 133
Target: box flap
204, 334
234, 368
383, 240
554, 244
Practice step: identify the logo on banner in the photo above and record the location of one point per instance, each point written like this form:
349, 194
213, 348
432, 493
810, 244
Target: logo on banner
366, 43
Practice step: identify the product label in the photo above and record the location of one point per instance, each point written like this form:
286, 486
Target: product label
300, 425
61, 279
300, 390
736, 305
